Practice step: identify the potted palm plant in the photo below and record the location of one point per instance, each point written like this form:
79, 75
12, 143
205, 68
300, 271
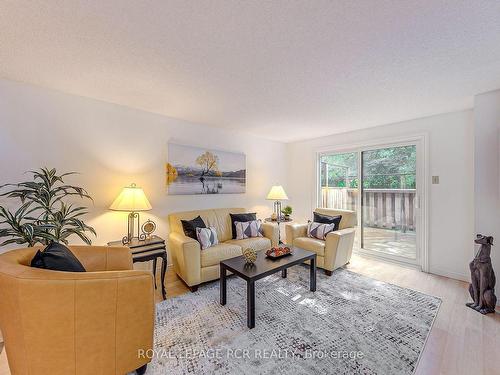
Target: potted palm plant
44, 214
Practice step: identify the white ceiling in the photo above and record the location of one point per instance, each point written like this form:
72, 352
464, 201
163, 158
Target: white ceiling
283, 70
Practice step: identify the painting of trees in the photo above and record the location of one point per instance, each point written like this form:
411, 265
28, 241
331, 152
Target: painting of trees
208, 162
171, 172
195, 170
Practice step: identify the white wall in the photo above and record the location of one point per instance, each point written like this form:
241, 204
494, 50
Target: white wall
486, 167
112, 146
451, 223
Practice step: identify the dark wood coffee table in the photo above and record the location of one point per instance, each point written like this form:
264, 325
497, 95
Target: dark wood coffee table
263, 267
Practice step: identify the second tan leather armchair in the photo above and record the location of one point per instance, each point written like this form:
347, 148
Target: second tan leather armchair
336, 250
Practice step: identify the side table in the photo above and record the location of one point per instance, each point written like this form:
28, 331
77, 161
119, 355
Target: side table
278, 221
146, 250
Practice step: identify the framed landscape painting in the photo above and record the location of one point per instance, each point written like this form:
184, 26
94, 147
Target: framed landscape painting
193, 170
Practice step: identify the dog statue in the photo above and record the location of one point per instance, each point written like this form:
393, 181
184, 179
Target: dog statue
482, 286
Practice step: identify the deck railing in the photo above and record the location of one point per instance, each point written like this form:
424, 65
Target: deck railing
382, 208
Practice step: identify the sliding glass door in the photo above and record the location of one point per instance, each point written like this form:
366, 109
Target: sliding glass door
388, 215
381, 185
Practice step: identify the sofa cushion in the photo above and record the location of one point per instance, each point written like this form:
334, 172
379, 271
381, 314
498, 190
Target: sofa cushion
189, 226
57, 257
241, 218
318, 230
213, 255
207, 237
248, 229
256, 243
311, 244
218, 218
327, 219
348, 217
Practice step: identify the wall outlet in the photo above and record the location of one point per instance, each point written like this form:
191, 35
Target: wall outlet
435, 180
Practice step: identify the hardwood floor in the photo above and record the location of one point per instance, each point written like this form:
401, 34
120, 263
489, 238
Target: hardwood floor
462, 341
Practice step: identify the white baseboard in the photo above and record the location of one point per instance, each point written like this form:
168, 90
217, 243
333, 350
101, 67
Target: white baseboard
367, 255
457, 276
432, 270
450, 274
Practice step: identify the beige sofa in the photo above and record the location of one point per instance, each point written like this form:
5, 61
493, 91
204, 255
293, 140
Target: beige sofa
196, 266
336, 250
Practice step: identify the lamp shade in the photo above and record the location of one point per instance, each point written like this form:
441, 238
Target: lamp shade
132, 198
277, 193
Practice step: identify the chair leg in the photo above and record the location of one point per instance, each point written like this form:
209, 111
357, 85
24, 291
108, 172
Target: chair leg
193, 288
141, 370
328, 273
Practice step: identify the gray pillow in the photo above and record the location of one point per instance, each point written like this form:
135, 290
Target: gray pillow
207, 237
243, 218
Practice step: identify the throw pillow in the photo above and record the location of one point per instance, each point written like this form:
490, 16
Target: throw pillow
318, 230
327, 219
243, 218
189, 226
248, 229
207, 237
57, 257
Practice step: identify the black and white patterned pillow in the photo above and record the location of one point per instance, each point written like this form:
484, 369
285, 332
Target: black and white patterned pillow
207, 237
248, 229
319, 230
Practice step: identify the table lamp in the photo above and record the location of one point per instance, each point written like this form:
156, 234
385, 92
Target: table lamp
131, 199
277, 194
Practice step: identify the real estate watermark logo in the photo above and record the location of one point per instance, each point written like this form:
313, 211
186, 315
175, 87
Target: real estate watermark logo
240, 353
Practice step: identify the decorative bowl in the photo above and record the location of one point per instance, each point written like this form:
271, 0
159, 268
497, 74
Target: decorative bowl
278, 252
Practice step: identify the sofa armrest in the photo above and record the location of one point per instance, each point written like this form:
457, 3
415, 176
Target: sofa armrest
336, 236
186, 257
271, 231
338, 248
294, 231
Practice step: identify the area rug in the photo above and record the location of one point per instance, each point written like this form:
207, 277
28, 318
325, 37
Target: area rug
352, 324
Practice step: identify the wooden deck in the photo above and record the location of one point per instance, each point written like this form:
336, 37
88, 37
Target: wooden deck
388, 241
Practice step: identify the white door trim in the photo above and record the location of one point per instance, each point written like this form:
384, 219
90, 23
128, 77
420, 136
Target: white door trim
421, 140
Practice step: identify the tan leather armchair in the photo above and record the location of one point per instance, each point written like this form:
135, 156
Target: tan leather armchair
336, 250
63, 323
195, 266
